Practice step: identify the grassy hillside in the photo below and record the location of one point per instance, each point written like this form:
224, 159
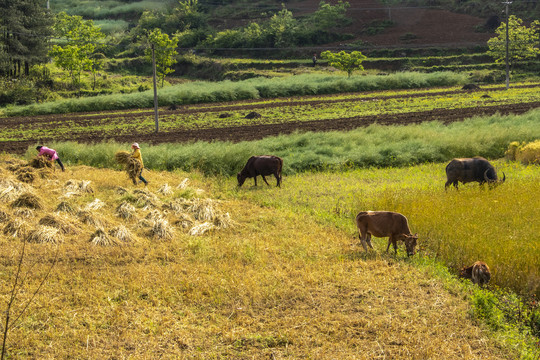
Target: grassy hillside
277, 284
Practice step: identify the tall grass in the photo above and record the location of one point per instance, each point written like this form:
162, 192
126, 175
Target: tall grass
374, 146
499, 226
207, 92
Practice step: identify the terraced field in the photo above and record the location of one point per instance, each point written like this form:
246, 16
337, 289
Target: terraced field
231, 121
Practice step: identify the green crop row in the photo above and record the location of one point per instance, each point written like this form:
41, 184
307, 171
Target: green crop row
374, 146
206, 92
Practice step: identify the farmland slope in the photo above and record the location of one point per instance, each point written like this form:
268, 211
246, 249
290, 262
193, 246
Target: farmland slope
131, 282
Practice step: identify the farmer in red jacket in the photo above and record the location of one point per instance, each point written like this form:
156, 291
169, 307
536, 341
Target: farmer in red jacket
51, 154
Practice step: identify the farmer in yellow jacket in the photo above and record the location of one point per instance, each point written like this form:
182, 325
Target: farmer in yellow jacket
137, 155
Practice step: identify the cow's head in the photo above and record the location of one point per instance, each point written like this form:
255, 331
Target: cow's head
410, 243
241, 179
494, 180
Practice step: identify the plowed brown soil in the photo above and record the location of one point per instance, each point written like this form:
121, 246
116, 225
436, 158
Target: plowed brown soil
239, 133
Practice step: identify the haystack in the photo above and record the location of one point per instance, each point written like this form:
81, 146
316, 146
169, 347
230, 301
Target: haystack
96, 204
153, 215
183, 184
10, 190
185, 221
145, 199
161, 229
25, 174
41, 162
4, 217
44, 234
66, 207
16, 227
125, 210
63, 224
24, 213
132, 166
100, 237
89, 218
165, 190
74, 187
201, 229
28, 200
122, 233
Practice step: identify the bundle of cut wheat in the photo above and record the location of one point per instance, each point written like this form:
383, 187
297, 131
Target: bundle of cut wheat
10, 190
202, 209
165, 189
3, 216
74, 187
201, 229
183, 184
63, 224
44, 234
145, 199
100, 237
87, 217
132, 166
24, 212
122, 233
161, 229
95, 205
25, 174
27, 200
66, 207
41, 162
16, 227
184, 220
224, 221
125, 210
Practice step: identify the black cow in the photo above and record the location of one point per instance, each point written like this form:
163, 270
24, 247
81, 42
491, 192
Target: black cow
261, 165
469, 170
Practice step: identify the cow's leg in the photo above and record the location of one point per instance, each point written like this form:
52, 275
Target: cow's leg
389, 242
255, 179
456, 185
368, 240
362, 235
265, 180
278, 178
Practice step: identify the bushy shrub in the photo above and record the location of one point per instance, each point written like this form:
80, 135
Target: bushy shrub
526, 153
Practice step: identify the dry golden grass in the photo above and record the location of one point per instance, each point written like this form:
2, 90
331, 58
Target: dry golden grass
278, 285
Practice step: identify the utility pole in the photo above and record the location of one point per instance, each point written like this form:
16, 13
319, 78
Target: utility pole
155, 88
507, 41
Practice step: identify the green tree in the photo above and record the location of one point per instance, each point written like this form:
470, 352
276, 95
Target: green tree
328, 16
165, 52
80, 36
345, 61
25, 26
523, 41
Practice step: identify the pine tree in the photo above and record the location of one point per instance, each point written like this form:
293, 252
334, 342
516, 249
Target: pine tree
25, 26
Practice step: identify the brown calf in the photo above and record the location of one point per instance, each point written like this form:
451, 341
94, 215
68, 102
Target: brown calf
478, 272
383, 224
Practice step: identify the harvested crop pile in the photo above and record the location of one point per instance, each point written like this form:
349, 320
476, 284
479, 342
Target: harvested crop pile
87, 217
74, 187
27, 200
125, 210
100, 237
201, 229
96, 204
10, 190
165, 189
61, 223
526, 153
132, 166
66, 207
161, 229
3, 216
122, 233
24, 213
41, 162
16, 227
44, 234
25, 174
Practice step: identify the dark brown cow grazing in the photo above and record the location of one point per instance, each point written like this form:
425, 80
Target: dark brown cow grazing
470, 170
261, 165
383, 224
478, 272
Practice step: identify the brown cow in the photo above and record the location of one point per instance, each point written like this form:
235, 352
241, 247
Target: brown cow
261, 165
478, 272
383, 224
